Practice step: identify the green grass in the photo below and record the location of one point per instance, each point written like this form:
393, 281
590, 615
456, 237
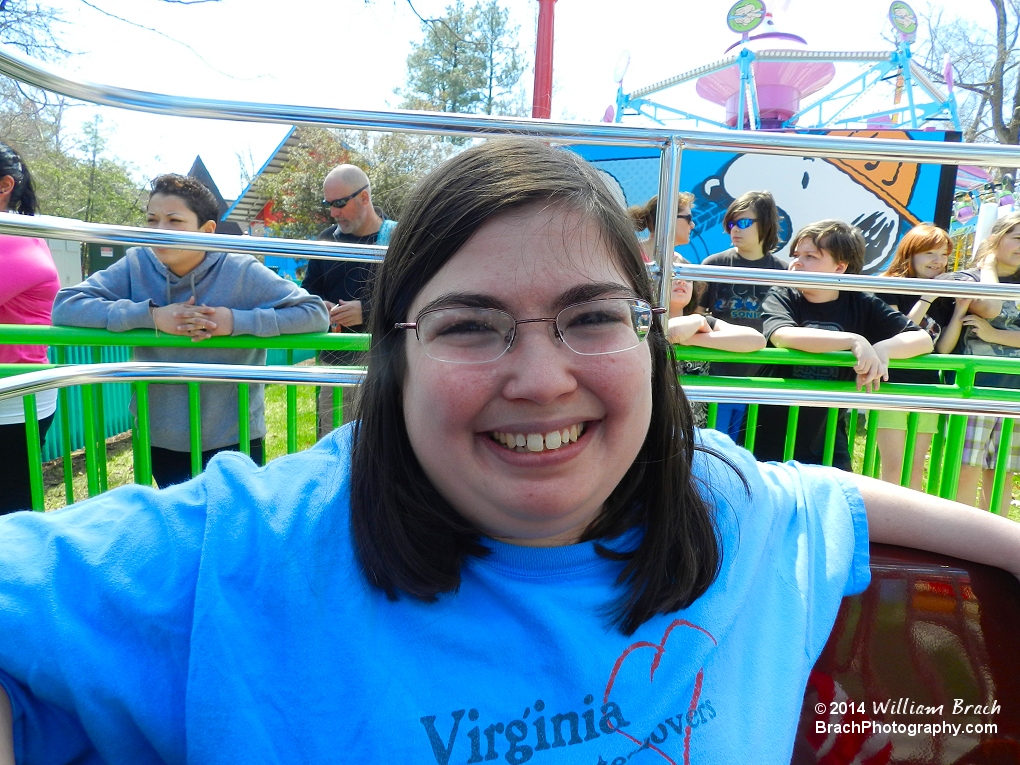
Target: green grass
858, 467
120, 458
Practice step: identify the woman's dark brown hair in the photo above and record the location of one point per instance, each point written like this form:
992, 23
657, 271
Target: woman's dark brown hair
407, 536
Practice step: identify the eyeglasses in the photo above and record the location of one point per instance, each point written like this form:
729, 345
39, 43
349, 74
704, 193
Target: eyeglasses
687, 217
478, 335
339, 204
743, 224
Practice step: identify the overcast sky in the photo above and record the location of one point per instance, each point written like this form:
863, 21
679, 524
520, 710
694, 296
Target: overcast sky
352, 54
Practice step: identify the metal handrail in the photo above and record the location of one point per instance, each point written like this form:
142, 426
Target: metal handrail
127, 372
135, 371
52, 227
850, 282
67, 228
32, 72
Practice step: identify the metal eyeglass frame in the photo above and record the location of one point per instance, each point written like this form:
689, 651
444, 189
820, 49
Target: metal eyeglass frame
513, 331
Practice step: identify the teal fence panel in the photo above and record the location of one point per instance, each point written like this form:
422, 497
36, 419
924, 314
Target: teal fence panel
116, 400
116, 396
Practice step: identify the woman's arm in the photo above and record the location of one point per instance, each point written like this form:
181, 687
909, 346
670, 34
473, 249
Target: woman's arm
987, 308
920, 308
988, 333
103, 301
900, 516
951, 332
729, 337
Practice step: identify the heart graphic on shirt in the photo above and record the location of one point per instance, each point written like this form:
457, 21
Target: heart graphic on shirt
631, 659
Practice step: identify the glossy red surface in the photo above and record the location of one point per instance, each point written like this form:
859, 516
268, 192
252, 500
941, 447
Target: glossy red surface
932, 643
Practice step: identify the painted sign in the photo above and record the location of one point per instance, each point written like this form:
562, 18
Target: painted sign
745, 15
883, 199
904, 20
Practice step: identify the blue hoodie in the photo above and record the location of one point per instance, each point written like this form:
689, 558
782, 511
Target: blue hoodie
119, 298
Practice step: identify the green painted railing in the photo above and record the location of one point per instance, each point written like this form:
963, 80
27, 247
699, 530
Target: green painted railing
944, 465
89, 402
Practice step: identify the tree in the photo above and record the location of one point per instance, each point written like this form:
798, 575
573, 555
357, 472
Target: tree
76, 179
503, 64
467, 62
393, 161
986, 63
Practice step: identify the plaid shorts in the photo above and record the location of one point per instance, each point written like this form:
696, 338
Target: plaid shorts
981, 444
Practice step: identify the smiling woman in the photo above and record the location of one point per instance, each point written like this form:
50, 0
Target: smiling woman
452, 579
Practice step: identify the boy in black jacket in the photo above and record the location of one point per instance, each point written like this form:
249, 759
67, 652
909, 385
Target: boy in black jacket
825, 320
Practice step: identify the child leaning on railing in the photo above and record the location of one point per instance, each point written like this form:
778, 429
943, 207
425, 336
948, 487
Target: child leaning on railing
988, 328
199, 295
826, 320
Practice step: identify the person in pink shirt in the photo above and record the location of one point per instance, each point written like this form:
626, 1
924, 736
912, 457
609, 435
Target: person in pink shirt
30, 282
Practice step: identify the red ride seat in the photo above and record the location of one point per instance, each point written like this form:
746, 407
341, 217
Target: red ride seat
932, 642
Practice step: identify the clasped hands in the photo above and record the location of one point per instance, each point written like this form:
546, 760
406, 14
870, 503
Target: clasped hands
199, 322
872, 365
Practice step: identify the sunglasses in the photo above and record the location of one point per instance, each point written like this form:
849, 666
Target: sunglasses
339, 204
743, 224
688, 217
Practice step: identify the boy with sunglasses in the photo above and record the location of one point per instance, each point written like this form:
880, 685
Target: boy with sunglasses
346, 286
752, 221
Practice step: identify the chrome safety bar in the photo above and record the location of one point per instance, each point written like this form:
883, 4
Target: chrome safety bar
127, 372
849, 282
32, 72
51, 227
136, 371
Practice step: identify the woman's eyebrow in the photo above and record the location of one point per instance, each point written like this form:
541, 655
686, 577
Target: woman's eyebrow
466, 300
593, 291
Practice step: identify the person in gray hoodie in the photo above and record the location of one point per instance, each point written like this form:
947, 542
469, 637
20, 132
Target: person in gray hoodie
196, 294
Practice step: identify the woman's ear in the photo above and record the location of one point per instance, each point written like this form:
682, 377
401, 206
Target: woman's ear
209, 227
6, 184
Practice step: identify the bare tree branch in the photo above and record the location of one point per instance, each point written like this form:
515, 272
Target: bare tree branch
135, 24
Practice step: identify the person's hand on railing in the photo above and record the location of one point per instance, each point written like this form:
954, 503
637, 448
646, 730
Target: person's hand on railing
872, 366
199, 322
682, 328
346, 313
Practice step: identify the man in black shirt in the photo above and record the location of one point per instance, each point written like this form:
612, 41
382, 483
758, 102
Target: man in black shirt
346, 286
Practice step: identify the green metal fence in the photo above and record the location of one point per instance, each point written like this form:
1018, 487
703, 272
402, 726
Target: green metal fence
83, 412
944, 465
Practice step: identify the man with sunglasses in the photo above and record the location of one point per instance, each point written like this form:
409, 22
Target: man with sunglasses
345, 286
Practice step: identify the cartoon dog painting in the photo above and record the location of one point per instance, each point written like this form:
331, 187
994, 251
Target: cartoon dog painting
808, 190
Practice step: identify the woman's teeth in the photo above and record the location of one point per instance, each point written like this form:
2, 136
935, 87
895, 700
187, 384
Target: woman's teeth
537, 442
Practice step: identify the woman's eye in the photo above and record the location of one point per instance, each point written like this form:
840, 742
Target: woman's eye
594, 318
465, 327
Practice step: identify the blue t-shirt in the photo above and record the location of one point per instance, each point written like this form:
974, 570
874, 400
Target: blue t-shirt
225, 620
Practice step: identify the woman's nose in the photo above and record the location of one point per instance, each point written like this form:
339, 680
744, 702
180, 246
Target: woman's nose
539, 366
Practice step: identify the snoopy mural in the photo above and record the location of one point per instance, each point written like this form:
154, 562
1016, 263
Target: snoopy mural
883, 199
